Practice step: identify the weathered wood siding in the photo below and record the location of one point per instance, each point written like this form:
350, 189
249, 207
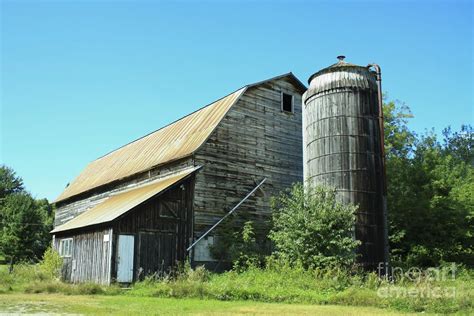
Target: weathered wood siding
69, 209
256, 139
90, 260
162, 230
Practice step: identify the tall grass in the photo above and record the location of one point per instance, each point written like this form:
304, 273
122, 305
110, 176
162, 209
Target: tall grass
282, 283
23, 274
44, 277
274, 283
30, 278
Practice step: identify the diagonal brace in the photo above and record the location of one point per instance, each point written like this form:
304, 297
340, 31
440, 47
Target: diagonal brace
226, 215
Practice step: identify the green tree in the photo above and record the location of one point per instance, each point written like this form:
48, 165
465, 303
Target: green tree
9, 182
443, 180
460, 144
24, 222
399, 139
430, 189
312, 228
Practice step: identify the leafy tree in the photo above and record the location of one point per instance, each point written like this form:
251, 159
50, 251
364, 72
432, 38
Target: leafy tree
399, 140
460, 144
24, 222
9, 182
310, 227
430, 189
442, 181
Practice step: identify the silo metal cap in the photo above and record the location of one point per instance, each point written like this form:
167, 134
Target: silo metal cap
340, 64
340, 75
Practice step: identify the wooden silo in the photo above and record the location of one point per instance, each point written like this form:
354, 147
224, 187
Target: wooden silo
343, 149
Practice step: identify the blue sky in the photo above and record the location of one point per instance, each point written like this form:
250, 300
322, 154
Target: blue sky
81, 78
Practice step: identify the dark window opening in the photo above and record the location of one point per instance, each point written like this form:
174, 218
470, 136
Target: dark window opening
287, 102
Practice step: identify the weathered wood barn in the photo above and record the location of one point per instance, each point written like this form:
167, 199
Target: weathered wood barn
135, 210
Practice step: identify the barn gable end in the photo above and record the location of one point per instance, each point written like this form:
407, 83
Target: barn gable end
255, 140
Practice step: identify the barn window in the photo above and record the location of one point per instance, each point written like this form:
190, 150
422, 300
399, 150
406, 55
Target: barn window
65, 247
286, 102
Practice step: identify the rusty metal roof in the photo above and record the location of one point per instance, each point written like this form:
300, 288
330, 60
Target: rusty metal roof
119, 204
177, 140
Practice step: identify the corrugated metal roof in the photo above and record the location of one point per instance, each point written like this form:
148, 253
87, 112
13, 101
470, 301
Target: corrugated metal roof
117, 205
177, 140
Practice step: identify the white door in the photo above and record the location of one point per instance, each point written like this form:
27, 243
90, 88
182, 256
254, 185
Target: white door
125, 258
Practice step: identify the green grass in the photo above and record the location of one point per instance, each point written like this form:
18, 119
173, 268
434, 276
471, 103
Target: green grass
252, 287
127, 305
318, 287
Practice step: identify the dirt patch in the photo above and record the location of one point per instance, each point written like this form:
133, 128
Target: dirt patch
31, 308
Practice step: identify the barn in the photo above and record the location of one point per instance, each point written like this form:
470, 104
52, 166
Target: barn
136, 210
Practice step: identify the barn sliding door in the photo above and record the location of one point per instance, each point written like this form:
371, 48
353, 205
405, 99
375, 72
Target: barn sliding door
157, 252
125, 251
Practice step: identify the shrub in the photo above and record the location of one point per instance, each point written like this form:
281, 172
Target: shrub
200, 274
51, 264
239, 244
311, 227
